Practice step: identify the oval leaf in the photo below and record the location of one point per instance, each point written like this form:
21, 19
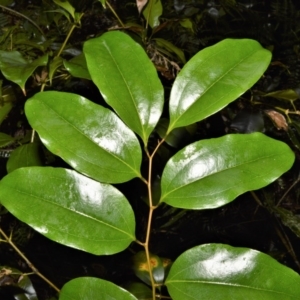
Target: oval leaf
70, 208
213, 78
211, 173
17, 69
91, 138
127, 80
87, 288
222, 272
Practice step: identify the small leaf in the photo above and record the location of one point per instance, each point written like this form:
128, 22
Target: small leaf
212, 173
213, 78
6, 140
289, 95
88, 288
171, 48
24, 156
222, 272
67, 6
70, 208
77, 67
141, 269
127, 80
91, 138
17, 69
152, 12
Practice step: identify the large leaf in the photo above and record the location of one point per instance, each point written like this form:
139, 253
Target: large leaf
215, 77
126, 79
88, 288
222, 272
91, 138
17, 69
70, 208
211, 173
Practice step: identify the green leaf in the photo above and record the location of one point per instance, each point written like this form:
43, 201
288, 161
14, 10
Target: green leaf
91, 138
67, 6
77, 67
171, 48
212, 173
70, 208
127, 80
152, 12
88, 288
222, 272
289, 95
6, 140
17, 69
24, 156
213, 78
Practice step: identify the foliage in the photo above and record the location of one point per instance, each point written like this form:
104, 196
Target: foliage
127, 137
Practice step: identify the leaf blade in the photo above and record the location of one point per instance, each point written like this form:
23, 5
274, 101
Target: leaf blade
70, 208
223, 272
86, 288
128, 74
224, 72
212, 173
91, 138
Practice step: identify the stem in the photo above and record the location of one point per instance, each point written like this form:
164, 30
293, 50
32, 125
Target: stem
146, 244
115, 14
28, 262
22, 16
67, 38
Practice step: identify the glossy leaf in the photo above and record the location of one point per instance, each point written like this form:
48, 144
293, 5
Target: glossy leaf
211, 173
222, 272
87, 288
213, 78
127, 80
70, 208
152, 12
77, 67
17, 69
24, 156
91, 138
